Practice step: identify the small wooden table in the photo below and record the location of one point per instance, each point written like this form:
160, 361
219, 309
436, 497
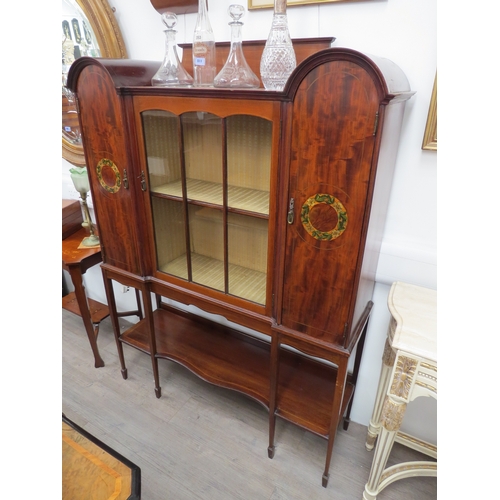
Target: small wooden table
409, 370
76, 261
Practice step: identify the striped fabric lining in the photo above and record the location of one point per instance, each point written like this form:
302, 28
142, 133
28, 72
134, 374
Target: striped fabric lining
243, 282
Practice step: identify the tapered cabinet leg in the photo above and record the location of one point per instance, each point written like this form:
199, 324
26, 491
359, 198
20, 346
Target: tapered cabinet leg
148, 311
335, 418
324, 480
110, 294
273, 394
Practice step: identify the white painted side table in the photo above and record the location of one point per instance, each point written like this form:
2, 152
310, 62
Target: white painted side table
409, 371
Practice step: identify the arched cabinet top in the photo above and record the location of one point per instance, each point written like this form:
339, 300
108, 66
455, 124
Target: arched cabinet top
134, 76
123, 72
389, 77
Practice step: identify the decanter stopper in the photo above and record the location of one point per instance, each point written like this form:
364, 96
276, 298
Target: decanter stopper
203, 49
278, 59
171, 72
236, 73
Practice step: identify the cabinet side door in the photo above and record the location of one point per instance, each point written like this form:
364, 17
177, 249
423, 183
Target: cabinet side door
332, 145
111, 178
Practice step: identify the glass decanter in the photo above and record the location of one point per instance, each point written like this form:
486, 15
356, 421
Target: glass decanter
236, 73
171, 72
203, 49
278, 59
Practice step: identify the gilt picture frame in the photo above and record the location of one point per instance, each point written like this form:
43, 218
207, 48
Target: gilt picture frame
430, 134
267, 4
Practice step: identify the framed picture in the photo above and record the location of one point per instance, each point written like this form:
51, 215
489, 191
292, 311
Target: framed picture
266, 4
430, 135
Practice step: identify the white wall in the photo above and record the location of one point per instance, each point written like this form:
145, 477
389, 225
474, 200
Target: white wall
403, 31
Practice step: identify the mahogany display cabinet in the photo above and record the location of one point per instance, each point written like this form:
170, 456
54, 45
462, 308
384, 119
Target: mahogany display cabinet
266, 208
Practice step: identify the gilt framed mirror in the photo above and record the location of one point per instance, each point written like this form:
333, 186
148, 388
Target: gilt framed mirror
89, 28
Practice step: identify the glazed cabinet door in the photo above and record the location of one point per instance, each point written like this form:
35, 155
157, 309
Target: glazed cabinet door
334, 116
209, 171
109, 169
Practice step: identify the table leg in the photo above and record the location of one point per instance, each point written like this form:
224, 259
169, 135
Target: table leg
399, 387
385, 374
81, 298
392, 416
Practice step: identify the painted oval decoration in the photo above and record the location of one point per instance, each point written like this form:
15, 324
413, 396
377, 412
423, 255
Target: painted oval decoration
330, 201
108, 175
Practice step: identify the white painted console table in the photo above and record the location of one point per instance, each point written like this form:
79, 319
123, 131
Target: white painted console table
409, 370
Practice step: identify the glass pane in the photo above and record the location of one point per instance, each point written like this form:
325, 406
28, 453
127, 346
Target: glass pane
170, 236
249, 140
207, 246
247, 255
161, 137
202, 134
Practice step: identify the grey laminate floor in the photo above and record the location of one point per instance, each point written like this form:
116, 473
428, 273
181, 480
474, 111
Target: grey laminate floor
203, 442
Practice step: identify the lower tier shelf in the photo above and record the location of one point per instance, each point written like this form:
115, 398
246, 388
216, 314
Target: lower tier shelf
98, 311
229, 358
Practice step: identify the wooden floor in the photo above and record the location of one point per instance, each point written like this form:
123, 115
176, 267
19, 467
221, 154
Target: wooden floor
200, 442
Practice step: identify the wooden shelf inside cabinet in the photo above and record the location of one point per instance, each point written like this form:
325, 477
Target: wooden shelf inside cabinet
249, 200
231, 359
246, 283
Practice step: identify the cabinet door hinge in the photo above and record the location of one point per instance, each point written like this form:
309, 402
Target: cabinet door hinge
125, 178
375, 127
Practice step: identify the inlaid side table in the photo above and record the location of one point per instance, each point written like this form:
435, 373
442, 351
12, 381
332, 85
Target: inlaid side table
409, 371
77, 260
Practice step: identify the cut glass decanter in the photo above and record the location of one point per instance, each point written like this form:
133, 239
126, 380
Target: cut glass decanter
278, 59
